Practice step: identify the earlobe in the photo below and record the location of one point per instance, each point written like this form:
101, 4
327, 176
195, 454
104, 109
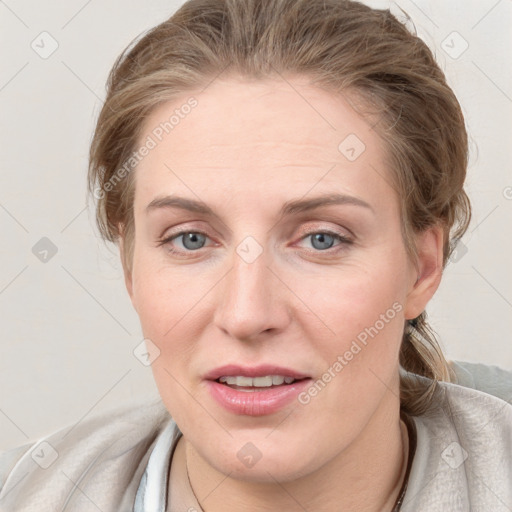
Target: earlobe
429, 269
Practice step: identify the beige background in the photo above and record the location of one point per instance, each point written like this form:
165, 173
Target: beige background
68, 329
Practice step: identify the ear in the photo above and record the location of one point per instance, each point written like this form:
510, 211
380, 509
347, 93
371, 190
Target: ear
128, 280
426, 273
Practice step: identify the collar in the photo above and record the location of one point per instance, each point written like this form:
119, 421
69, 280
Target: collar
152, 492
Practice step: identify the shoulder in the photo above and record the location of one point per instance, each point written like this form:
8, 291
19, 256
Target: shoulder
491, 379
463, 459
100, 458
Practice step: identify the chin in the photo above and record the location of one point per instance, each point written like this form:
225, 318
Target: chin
263, 461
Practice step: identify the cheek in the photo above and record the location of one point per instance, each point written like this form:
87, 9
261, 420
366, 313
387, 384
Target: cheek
360, 360
363, 310
167, 306
163, 296
349, 300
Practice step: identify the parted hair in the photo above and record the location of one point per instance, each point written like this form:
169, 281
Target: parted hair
367, 55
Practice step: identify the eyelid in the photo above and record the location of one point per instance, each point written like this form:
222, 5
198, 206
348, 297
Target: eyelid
321, 228
182, 228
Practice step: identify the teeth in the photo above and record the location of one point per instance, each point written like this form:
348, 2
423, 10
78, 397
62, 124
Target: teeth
262, 382
257, 382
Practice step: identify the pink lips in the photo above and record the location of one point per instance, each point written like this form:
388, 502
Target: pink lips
261, 401
253, 371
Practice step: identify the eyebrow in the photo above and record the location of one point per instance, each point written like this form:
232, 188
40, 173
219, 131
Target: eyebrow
288, 209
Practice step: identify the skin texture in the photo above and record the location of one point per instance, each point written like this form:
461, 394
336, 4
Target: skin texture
247, 148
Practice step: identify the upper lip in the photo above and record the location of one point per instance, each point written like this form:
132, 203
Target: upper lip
253, 371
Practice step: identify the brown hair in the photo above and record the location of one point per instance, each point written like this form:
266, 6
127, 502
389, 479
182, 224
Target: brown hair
340, 45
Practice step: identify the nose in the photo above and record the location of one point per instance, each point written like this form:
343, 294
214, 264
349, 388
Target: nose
252, 300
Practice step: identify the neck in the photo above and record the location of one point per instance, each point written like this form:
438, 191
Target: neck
367, 476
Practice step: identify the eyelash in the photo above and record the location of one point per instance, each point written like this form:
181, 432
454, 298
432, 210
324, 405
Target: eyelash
344, 241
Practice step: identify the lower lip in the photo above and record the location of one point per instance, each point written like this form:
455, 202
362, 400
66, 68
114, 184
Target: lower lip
261, 402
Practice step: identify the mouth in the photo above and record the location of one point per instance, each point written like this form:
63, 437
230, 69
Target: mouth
255, 391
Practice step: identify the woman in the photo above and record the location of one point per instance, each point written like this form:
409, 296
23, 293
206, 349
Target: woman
285, 182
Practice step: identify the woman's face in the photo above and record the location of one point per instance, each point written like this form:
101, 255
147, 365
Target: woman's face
269, 280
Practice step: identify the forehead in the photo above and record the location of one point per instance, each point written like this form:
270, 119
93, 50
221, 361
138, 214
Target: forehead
257, 135
258, 112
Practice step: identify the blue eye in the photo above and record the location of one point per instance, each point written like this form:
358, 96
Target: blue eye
191, 240
324, 240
